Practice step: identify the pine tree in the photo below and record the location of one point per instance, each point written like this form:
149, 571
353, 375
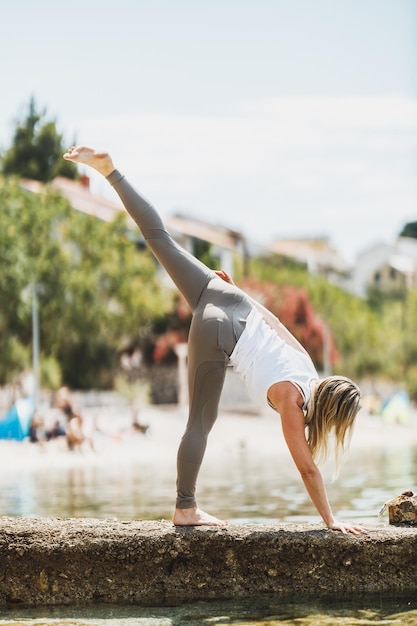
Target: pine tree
36, 150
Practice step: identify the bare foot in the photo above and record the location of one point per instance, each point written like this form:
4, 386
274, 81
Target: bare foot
100, 161
196, 517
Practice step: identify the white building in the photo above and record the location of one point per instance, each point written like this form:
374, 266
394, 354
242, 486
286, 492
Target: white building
388, 267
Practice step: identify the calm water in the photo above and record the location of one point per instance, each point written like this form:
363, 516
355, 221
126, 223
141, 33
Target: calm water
374, 611
247, 477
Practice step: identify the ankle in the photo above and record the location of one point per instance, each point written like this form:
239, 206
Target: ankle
106, 167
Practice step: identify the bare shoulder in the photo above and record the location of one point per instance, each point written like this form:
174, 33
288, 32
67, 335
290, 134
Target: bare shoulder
285, 396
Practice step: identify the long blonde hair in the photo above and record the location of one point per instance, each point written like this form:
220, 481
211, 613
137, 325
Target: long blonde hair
333, 406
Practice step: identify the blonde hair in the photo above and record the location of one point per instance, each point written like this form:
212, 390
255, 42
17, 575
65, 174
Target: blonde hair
333, 406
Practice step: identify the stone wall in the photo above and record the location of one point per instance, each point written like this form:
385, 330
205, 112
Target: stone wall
54, 561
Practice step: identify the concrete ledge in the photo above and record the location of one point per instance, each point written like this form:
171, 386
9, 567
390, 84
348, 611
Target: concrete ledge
53, 561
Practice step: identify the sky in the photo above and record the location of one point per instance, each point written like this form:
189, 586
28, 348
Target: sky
277, 118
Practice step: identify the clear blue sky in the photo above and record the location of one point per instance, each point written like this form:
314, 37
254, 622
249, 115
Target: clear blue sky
295, 117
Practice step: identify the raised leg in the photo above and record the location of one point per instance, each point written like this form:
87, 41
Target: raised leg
188, 273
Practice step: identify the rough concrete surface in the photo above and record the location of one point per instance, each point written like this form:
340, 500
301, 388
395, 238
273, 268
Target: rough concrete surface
47, 561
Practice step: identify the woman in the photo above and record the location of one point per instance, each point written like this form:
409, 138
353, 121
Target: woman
229, 327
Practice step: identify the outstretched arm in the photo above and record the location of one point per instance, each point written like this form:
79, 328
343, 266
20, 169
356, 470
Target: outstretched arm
286, 399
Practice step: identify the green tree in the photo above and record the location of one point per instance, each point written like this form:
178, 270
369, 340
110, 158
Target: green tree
36, 150
410, 343
409, 230
363, 332
96, 292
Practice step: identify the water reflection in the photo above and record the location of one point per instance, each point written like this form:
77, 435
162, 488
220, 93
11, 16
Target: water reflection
267, 611
247, 476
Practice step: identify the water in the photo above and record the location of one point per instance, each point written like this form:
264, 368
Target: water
247, 476
401, 611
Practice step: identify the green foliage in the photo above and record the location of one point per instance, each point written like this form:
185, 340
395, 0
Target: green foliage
371, 338
50, 374
203, 251
15, 357
95, 291
280, 270
409, 321
409, 230
36, 150
291, 304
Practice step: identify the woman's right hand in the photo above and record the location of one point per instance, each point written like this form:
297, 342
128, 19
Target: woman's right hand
347, 528
224, 276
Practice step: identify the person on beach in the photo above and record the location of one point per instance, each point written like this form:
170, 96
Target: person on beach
75, 424
229, 327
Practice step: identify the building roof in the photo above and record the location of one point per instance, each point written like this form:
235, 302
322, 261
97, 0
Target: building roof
81, 198
198, 229
316, 252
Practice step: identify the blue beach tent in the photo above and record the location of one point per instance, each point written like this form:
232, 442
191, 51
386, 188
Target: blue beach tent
16, 423
397, 408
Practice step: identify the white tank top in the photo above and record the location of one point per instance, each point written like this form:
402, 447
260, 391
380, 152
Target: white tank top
262, 358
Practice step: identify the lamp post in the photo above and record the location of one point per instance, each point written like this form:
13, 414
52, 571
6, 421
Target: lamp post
327, 367
35, 344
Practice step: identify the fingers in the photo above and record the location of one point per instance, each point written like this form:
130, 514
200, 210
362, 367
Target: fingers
356, 530
224, 275
348, 528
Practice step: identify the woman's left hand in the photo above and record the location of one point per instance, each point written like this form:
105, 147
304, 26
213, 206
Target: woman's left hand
347, 528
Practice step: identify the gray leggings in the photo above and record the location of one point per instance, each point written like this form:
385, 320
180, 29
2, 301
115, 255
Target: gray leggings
219, 314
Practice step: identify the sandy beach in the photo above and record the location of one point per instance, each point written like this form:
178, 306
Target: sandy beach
110, 428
